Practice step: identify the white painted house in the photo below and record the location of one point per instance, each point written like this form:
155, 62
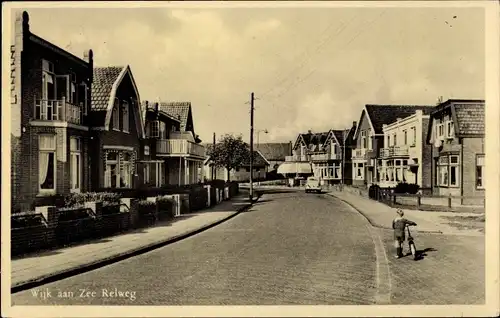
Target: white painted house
405, 156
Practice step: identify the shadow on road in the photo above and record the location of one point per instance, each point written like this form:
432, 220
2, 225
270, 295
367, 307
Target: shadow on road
421, 254
276, 191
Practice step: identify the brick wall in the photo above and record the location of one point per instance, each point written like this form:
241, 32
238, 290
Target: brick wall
471, 148
425, 167
29, 51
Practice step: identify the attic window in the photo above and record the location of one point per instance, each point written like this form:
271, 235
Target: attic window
449, 129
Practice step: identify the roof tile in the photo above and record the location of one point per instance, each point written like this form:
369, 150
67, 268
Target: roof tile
104, 78
386, 114
470, 118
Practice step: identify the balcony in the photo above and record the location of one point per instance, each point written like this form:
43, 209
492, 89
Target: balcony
57, 110
325, 157
395, 151
296, 158
359, 153
179, 148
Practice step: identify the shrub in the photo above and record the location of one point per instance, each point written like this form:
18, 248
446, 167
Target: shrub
26, 220
146, 207
165, 208
404, 187
78, 199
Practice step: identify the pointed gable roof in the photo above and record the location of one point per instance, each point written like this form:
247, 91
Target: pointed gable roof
179, 110
275, 151
468, 117
378, 115
104, 88
386, 114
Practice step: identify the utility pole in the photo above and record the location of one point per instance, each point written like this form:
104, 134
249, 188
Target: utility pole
251, 146
213, 166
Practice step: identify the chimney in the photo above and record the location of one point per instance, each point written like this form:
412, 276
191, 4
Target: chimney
309, 131
291, 148
88, 56
354, 123
156, 107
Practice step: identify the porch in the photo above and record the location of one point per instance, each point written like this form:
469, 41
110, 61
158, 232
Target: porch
171, 171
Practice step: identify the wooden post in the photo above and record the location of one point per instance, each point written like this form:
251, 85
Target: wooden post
394, 199
419, 201
449, 200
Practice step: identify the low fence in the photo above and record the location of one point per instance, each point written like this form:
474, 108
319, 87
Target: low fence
53, 227
420, 201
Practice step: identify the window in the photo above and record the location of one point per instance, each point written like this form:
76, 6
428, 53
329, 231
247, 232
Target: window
126, 119
370, 146
76, 164
82, 97
405, 139
480, 171
162, 130
118, 170
126, 173
448, 170
454, 169
449, 129
154, 129
47, 163
414, 136
72, 93
48, 81
363, 139
440, 130
334, 149
388, 141
159, 174
359, 169
146, 150
395, 140
147, 170
116, 115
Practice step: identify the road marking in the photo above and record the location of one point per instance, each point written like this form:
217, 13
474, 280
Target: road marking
383, 272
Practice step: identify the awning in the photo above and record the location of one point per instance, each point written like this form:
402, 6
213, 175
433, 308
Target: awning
295, 167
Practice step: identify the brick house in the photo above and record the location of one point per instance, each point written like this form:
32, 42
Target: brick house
117, 129
260, 167
406, 156
456, 133
369, 139
50, 102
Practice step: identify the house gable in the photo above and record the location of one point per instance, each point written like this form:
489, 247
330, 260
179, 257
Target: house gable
364, 121
299, 141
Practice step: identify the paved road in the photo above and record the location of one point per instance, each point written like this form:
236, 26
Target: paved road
290, 248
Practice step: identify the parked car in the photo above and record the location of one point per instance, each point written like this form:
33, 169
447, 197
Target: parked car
313, 184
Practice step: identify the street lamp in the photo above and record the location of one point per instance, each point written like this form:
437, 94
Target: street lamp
258, 133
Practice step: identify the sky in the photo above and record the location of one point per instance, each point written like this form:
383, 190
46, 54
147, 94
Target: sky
310, 68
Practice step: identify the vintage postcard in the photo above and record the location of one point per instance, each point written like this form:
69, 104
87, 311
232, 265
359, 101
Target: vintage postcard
250, 159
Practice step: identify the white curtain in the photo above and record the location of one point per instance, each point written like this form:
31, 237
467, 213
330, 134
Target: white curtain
43, 166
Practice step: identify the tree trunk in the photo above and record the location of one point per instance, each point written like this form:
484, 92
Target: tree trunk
228, 174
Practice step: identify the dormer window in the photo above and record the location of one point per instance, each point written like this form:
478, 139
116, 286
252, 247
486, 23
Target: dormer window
449, 129
116, 115
154, 129
440, 130
126, 118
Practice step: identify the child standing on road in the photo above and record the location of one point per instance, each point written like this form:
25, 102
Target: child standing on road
399, 224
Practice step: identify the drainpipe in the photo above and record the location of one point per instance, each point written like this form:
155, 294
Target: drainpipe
461, 141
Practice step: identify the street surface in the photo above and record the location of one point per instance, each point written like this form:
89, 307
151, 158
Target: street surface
289, 248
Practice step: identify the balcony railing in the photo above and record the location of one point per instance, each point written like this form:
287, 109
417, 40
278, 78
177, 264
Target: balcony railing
359, 153
325, 157
394, 151
57, 110
296, 158
179, 147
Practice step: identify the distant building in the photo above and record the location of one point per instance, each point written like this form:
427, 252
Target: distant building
260, 167
275, 153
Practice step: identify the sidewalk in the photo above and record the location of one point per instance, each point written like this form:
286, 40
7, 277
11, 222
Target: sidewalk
381, 215
40, 268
